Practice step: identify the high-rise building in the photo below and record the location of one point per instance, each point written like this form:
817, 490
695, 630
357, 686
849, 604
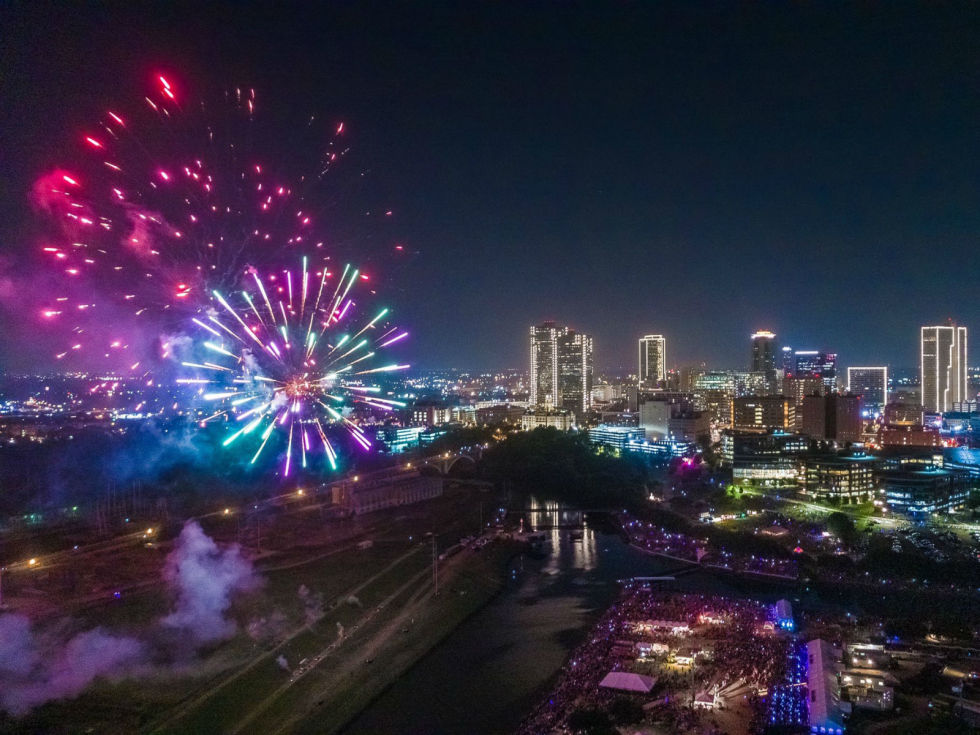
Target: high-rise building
798, 388
574, 371
787, 362
764, 412
653, 360
942, 353
814, 364
561, 368
764, 356
763, 352
544, 365
833, 417
871, 383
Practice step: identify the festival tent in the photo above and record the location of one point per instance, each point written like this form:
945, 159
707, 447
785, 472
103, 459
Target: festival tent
627, 682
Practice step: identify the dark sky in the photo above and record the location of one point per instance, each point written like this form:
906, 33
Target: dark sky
700, 170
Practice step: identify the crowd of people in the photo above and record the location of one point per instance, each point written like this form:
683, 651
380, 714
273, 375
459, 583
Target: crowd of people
786, 703
732, 643
658, 540
752, 564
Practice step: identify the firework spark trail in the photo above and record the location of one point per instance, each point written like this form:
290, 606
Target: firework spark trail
267, 375
166, 204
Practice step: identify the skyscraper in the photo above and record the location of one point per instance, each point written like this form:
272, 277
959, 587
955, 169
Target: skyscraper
943, 352
574, 371
787, 362
544, 365
561, 368
813, 364
653, 359
764, 356
871, 383
834, 417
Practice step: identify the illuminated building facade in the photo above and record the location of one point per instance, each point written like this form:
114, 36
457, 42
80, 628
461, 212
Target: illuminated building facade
943, 355
431, 414
903, 414
574, 371
617, 437
904, 435
787, 361
662, 449
764, 412
544, 365
846, 479
919, 493
561, 368
764, 355
652, 366
561, 420
657, 409
397, 439
813, 364
769, 459
871, 383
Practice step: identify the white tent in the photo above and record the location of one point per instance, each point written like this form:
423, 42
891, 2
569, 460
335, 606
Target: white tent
627, 682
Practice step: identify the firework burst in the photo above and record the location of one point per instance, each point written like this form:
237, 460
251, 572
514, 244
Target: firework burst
168, 202
292, 355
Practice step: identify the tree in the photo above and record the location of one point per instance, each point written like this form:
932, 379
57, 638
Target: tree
590, 721
842, 526
564, 466
625, 711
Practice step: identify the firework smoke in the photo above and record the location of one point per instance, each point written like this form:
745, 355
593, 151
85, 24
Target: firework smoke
205, 578
37, 668
34, 670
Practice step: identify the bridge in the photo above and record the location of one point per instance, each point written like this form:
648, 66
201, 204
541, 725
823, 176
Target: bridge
447, 460
442, 463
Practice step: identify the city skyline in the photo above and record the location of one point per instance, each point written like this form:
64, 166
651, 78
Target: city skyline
693, 150
382, 367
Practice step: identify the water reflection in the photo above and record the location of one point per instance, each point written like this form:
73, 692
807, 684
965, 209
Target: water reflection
543, 516
492, 669
571, 552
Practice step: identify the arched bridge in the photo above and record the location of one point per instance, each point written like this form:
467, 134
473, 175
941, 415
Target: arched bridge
447, 460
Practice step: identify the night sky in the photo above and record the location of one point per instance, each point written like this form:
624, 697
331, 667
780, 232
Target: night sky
697, 170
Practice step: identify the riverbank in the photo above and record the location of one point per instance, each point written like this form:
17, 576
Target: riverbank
494, 667
382, 652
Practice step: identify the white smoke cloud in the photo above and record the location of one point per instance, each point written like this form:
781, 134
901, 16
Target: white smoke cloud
36, 668
205, 578
34, 671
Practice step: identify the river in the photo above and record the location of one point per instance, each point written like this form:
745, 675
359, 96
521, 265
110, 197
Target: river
491, 670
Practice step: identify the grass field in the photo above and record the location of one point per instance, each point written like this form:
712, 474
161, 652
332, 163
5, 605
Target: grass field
381, 596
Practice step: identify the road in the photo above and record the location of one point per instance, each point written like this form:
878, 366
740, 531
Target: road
173, 719
884, 521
